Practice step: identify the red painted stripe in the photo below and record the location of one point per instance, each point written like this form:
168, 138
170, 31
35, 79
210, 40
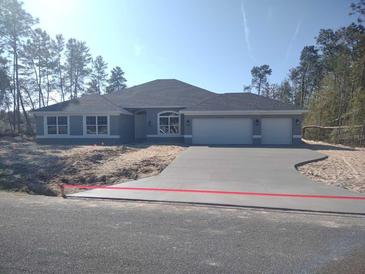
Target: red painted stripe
203, 191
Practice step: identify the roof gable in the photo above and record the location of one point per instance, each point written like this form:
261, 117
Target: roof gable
160, 93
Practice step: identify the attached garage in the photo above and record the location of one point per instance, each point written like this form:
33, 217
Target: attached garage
276, 131
222, 131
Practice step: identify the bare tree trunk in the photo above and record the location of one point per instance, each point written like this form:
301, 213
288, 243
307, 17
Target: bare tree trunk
61, 83
14, 95
75, 86
38, 80
17, 90
29, 126
302, 91
29, 97
48, 87
9, 119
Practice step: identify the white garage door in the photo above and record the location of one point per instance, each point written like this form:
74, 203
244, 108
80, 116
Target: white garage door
276, 131
222, 131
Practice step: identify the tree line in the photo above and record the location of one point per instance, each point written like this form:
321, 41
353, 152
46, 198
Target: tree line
329, 80
37, 70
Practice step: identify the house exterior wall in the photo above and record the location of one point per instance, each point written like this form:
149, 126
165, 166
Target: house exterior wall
76, 125
152, 119
114, 124
78, 141
297, 121
121, 130
39, 125
256, 123
152, 131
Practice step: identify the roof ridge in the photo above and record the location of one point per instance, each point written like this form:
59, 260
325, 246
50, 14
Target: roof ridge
148, 83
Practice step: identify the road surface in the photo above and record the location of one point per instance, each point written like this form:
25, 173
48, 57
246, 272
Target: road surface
41, 234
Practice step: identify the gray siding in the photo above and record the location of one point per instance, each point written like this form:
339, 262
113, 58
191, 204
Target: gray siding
166, 140
119, 125
76, 125
114, 124
187, 124
256, 123
297, 128
39, 125
78, 141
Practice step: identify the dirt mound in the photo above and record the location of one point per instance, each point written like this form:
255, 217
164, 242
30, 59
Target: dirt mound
26, 166
344, 167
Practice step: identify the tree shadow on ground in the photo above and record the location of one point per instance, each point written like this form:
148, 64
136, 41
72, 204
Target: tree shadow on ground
327, 147
24, 166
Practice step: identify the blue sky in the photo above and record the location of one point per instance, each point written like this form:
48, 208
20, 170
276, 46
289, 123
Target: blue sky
209, 43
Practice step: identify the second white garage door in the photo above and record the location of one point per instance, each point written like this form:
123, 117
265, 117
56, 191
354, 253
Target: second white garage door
222, 131
276, 131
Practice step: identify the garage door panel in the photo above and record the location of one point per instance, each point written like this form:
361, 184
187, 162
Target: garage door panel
222, 131
276, 131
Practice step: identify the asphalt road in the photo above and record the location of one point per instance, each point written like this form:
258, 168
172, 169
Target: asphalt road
50, 235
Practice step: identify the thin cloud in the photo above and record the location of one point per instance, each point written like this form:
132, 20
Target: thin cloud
269, 14
137, 50
293, 38
246, 30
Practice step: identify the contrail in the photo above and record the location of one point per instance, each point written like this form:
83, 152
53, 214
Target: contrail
246, 30
293, 38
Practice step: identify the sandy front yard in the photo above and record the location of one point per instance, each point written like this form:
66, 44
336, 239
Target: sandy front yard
344, 167
26, 166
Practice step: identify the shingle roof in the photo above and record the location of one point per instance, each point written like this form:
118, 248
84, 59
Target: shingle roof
157, 93
241, 101
85, 103
167, 93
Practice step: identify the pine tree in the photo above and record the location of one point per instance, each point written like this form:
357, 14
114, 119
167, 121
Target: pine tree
259, 77
116, 82
98, 76
77, 68
59, 68
15, 26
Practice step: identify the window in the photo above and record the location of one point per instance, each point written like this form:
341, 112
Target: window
97, 125
169, 123
57, 125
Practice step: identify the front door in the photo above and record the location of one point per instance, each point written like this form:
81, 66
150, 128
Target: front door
140, 125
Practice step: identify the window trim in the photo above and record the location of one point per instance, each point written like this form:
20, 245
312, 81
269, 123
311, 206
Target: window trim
45, 134
45, 125
160, 114
96, 134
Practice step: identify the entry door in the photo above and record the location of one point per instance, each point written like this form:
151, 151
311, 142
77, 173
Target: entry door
140, 125
226, 131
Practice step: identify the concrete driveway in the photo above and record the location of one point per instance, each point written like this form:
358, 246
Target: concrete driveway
246, 169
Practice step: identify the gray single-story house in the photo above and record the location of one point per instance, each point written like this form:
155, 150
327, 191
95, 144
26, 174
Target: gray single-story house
166, 111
